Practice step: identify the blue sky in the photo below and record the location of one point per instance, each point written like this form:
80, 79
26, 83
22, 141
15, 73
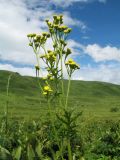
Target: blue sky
95, 39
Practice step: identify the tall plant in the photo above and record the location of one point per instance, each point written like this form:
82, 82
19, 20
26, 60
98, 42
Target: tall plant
55, 60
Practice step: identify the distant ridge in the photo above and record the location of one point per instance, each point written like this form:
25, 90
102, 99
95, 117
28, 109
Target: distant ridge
78, 87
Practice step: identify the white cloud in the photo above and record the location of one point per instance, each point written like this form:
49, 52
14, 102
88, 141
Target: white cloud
17, 19
70, 2
105, 73
74, 22
75, 47
22, 70
99, 53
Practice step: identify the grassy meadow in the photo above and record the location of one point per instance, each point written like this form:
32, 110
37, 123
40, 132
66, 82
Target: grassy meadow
95, 99
29, 133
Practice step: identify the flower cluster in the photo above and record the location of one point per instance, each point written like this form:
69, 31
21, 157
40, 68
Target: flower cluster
71, 66
55, 58
37, 40
56, 25
50, 57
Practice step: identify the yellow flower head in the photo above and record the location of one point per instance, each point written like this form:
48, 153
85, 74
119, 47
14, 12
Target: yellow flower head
45, 34
46, 90
31, 35
55, 16
72, 64
51, 56
67, 30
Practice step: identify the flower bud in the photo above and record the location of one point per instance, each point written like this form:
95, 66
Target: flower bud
55, 17
56, 26
67, 30
31, 44
28, 35
37, 67
48, 35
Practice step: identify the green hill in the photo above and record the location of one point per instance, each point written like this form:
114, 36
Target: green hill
94, 98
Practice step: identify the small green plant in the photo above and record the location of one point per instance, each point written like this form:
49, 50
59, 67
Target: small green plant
109, 142
114, 109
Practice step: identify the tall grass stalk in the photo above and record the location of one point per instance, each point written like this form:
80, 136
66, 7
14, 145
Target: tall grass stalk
7, 101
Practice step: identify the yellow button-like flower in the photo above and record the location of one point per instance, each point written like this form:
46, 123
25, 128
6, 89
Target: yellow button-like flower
67, 30
47, 89
72, 64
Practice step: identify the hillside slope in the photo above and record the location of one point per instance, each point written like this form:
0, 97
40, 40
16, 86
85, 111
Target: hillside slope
94, 98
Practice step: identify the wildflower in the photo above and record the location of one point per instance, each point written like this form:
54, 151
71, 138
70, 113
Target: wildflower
37, 70
58, 18
55, 16
51, 56
72, 64
31, 44
48, 35
49, 24
54, 45
38, 37
45, 34
56, 26
31, 35
46, 90
68, 51
61, 16
37, 67
47, 20
61, 19
67, 30
62, 28
51, 30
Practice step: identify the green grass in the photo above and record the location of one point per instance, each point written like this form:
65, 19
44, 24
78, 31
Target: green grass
95, 99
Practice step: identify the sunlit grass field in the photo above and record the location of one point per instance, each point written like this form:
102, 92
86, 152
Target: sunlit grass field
95, 99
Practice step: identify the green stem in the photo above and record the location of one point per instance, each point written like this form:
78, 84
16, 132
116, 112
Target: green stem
68, 90
69, 151
39, 70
